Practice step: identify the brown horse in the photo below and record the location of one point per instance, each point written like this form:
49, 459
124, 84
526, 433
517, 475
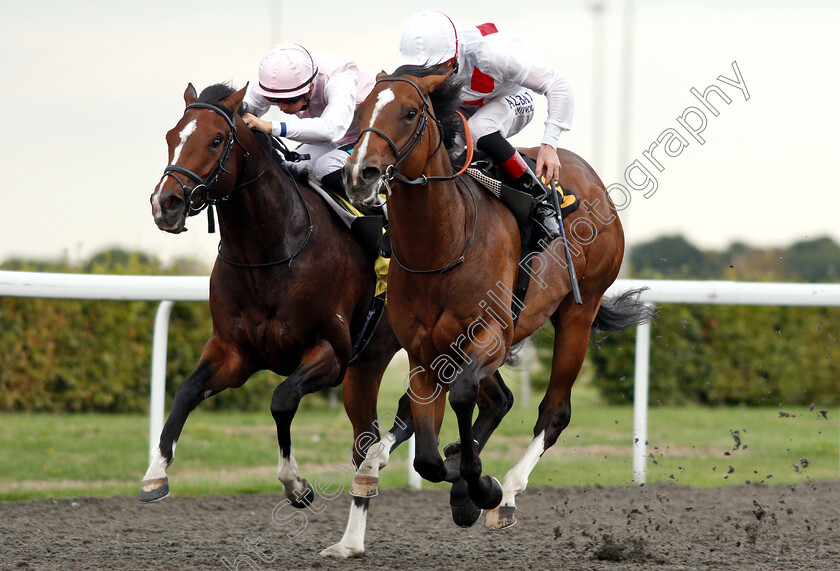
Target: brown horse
457, 250
289, 292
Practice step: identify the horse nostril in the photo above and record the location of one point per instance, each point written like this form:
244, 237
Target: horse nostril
172, 203
370, 174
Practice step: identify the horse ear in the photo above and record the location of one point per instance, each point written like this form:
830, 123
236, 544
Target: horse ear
190, 95
234, 101
381, 75
432, 82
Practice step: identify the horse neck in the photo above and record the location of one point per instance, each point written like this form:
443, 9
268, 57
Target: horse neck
429, 226
264, 220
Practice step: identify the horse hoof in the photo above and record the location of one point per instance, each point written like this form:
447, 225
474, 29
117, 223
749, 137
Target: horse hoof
452, 449
154, 490
305, 499
365, 487
501, 517
341, 551
466, 515
494, 495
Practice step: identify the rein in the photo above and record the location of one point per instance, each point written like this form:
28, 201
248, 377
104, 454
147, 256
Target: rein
303, 243
391, 173
463, 255
206, 183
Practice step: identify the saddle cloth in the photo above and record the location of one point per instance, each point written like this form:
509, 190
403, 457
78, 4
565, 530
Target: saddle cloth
367, 229
487, 174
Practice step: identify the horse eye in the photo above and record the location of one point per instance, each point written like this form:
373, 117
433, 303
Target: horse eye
217, 141
412, 113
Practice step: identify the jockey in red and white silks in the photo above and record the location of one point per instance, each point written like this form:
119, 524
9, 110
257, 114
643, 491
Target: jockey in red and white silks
501, 76
319, 93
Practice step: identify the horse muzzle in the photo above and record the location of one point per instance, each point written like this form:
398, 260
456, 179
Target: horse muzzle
362, 183
170, 213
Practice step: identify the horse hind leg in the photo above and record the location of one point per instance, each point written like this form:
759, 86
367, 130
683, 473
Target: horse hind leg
361, 387
352, 543
366, 484
570, 343
217, 369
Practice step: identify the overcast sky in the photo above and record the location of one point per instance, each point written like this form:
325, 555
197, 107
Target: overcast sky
90, 89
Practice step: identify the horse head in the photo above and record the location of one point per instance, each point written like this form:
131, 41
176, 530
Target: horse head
393, 122
202, 165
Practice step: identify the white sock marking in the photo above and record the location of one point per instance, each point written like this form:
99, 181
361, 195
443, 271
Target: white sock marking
287, 472
354, 535
157, 465
517, 478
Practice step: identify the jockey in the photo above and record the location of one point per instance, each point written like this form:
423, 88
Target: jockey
320, 94
501, 75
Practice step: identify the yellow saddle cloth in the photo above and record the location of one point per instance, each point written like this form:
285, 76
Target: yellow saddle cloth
380, 266
568, 199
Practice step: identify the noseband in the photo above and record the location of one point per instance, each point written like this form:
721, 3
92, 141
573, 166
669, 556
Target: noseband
197, 198
391, 172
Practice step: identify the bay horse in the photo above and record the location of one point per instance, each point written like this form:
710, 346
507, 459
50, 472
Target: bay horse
457, 254
289, 291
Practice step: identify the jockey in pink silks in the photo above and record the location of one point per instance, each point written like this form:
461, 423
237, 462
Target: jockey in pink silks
319, 93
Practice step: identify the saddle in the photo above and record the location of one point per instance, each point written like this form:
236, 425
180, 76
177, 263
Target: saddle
487, 174
366, 226
522, 205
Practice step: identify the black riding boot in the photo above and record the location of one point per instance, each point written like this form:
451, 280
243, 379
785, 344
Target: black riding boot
334, 184
548, 208
514, 167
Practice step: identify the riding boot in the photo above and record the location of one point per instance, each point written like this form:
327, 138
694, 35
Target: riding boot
547, 210
514, 167
334, 184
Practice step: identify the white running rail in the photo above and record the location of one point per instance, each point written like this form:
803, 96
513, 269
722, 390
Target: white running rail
169, 289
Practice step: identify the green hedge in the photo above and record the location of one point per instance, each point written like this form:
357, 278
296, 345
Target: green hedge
83, 355
726, 355
78, 355
718, 355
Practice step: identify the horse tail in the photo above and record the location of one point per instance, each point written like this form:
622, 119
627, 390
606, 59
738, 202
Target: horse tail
623, 311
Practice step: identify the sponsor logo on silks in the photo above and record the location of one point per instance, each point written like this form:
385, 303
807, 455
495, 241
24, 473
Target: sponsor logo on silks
521, 103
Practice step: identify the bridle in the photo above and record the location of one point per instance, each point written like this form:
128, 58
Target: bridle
194, 206
198, 197
392, 173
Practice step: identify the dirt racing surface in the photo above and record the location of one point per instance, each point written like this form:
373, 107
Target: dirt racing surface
659, 526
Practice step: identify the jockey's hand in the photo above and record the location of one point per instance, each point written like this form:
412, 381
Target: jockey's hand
548, 163
255, 122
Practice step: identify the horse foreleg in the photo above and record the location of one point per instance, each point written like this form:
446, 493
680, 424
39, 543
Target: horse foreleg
217, 369
570, 343
428, 404
319, 369
494, 402
484, 491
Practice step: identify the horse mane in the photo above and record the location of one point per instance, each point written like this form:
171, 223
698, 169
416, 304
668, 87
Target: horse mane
445, 99
213, 94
